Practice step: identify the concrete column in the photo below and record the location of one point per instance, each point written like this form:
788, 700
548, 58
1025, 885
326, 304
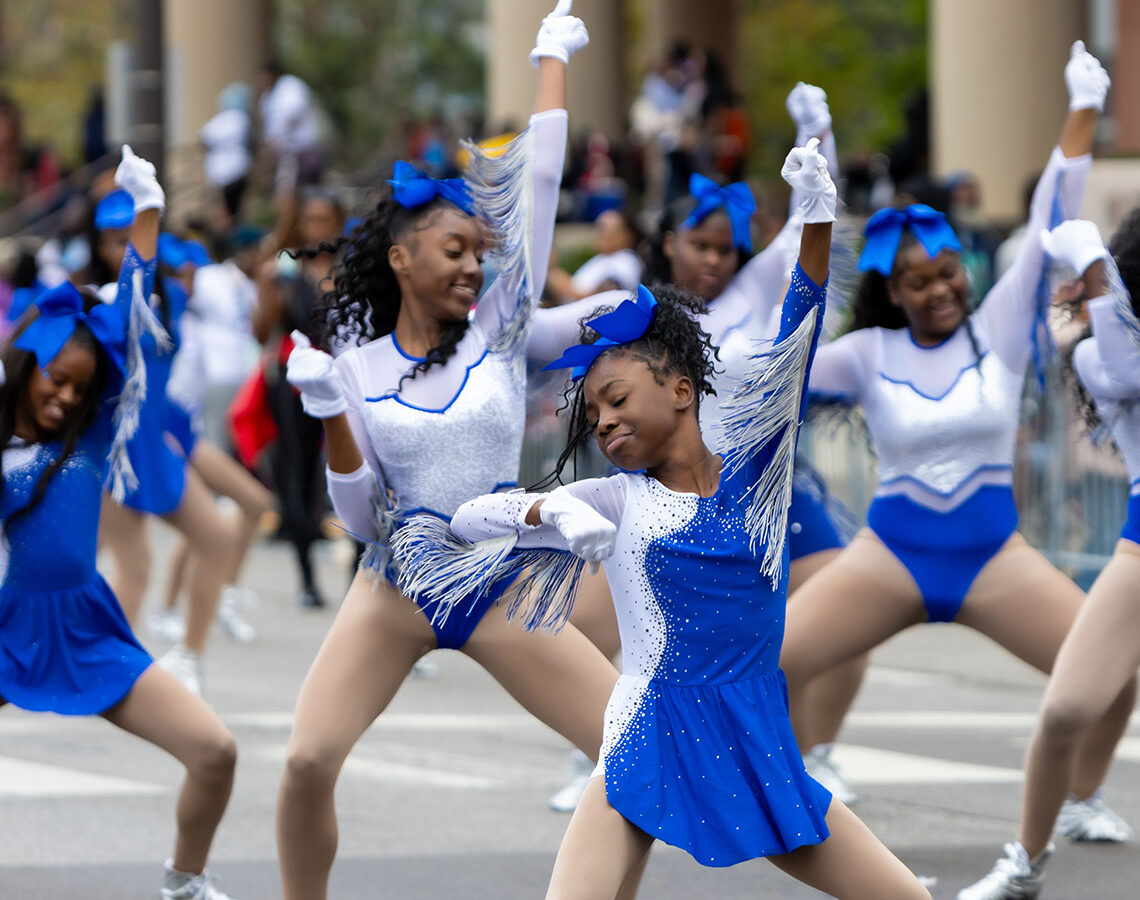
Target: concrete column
998, 90
596, 94
209, 44
1124, 99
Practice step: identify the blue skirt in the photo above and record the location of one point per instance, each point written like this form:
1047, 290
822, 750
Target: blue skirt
712, 768
70, 652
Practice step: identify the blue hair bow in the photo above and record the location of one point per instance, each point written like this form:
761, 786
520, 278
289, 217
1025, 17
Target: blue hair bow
884, 231
735, 199
624, 325
412, 188
60, 310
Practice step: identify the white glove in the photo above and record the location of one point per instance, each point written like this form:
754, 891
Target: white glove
1086, 79
805, 170
312, 372
560, 35
588, 533
1076, 243
138, 178
807, 105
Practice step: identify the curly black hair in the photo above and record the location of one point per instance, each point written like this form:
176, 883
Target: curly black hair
21, 366
658, 266
364, 302
674, 344
872, 306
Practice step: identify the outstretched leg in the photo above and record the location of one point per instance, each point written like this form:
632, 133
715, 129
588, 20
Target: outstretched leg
374, 641
122, 530
160, 710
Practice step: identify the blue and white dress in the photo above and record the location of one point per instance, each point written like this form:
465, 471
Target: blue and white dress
698, 749
944, 419
65, 645
1108, 365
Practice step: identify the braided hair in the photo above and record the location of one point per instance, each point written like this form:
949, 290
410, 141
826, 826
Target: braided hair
21, 367
364, 302
674, 344
873, 308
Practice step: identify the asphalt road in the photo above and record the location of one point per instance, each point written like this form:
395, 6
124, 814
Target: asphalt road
446, 795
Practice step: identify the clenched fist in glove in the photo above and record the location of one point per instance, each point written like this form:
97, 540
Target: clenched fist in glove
805, 169
1086, 79
807, 105
138, 178
589, 534
1076, 243
560, 35
312, 372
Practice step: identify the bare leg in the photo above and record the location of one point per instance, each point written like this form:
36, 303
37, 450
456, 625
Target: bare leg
594, 614
123, 531
375, 639
829, 696
562, 678
211, 542
226, 477
160, 710
599, 851
1096, 663
1024, 604
176, 573
852, 864
865, 576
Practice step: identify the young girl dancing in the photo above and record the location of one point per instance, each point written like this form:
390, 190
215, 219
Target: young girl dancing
427, 415
65, 645
1099, 657
941, 390
698, 748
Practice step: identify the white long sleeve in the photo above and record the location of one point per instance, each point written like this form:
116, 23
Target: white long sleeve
353, 497
842, 368
1117, 352
554, 329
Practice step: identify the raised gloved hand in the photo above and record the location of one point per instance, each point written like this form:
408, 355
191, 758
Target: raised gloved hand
807, 105
805, 169
138, 178
1076, 243
560, 35
1086, 79
589, 534
311, 371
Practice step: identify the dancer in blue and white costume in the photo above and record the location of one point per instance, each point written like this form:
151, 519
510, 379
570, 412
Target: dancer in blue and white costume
941, 391
72, 396
698, 748
425, 416
1102, 650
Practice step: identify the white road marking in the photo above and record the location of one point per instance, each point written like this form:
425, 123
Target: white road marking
870, 765
20, 778
393, 772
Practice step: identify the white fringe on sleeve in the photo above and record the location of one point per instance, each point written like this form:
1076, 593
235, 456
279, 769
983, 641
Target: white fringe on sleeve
765, 408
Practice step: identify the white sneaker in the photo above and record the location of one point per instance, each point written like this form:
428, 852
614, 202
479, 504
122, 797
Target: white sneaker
185, 665
166, 625
233, 600
819, 766
580, 768
1091, 820
1013, 877
181, 886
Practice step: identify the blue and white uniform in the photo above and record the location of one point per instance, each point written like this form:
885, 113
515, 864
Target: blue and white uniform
944, 419
1108, 365
65, 645
436, 440
697, 748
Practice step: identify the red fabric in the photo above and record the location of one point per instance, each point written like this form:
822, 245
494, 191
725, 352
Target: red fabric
251, 423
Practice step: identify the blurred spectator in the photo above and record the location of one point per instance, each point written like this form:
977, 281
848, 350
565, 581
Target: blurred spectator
614, 266
94, 126
291, 124
24, 170
227, 139
979, 238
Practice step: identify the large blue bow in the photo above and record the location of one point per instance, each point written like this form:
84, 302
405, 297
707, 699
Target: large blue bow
60, 310
412, 188
884, 231
626, 324
735, 199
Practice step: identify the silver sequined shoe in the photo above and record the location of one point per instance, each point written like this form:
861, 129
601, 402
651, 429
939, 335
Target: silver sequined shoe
1014, 876
819, 766
1091, 820
181, 886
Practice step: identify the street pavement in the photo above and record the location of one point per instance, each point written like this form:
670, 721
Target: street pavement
445, 797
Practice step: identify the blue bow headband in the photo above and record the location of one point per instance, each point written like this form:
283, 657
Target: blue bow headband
412, 188
61, 309
624, 325
884, 231
116, 210
735, 199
